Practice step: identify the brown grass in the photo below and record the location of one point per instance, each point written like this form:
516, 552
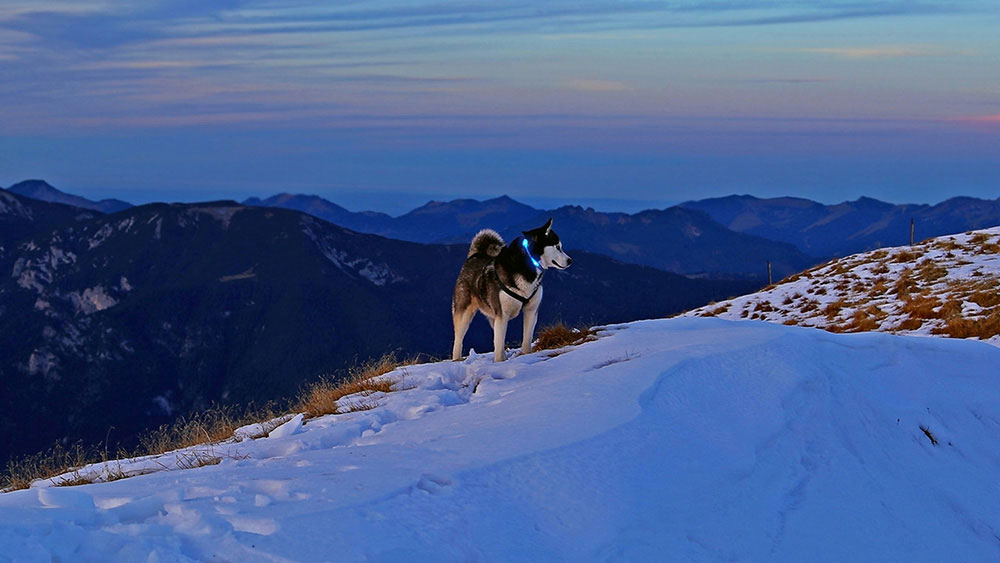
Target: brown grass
881, 268
982, 328
979, 238
991, 248
832, 309
929, 271
55, 461
719, 310
905, 256
922, 308
214, 425
878, 287
910, 324
986, 298
947, 244
324, 396
904, 285
560, 334
951, 309
809, 305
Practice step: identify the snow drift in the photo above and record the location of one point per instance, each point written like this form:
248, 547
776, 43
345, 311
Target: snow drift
681, 439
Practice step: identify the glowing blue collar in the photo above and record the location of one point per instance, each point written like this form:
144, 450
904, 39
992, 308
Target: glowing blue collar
524, 243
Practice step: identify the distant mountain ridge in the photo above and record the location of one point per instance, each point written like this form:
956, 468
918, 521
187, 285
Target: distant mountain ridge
42, 191
675, 240
849, 227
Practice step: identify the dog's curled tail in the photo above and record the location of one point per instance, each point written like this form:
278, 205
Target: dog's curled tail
486, 241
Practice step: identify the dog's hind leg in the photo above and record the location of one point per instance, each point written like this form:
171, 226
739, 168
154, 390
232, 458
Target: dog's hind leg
461, 319
499, 338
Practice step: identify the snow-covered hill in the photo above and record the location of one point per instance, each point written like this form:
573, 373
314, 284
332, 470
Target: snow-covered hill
679, 439
946, 286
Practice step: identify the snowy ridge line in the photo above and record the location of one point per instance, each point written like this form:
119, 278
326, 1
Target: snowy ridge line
454, 383
944, 286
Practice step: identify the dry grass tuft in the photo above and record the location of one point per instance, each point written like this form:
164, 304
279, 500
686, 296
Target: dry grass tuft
904, 285
49, 464
910, 324
214, 425
981, 328
929, 271
986, 299
324, 396
833, 308
922, 308
979, 238
560, 334
865, 320
905, 256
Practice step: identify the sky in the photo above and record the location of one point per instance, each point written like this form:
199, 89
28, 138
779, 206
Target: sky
386, 104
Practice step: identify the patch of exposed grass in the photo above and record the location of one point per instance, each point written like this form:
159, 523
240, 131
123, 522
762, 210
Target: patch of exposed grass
950, 309
833, 308
211, 426
809, 305
719, 310
55, 461
982, 328
929, 271
878, 287
324, 396
905, 256
904, 284
979, 238
986, 299
866, 319
910, 323
560, 334
948, 244
922, 307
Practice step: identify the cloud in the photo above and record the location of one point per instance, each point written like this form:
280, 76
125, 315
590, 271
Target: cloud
888, 51
595, 85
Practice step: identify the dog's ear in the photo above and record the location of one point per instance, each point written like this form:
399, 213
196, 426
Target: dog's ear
544, 230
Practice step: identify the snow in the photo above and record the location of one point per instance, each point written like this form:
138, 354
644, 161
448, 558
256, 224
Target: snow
682, 439
91, 300
378, 274
949, 271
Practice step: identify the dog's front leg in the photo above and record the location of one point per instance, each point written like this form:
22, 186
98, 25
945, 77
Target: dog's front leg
530, 318
499, 337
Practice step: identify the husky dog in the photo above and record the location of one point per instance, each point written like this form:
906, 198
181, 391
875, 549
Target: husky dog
501, 280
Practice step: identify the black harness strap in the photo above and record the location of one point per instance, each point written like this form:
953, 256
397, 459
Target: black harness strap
509, 291
503, 287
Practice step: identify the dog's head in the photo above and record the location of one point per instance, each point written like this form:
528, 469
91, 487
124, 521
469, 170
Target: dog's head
544, 243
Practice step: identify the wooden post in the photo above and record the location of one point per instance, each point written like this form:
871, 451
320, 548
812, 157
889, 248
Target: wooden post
911, 232
769, 282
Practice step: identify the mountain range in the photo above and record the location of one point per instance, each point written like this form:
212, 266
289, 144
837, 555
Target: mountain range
846, 228
42, 191
159, 310
675, 239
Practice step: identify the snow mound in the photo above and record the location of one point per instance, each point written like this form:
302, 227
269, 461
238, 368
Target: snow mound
945, 286
680, 439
